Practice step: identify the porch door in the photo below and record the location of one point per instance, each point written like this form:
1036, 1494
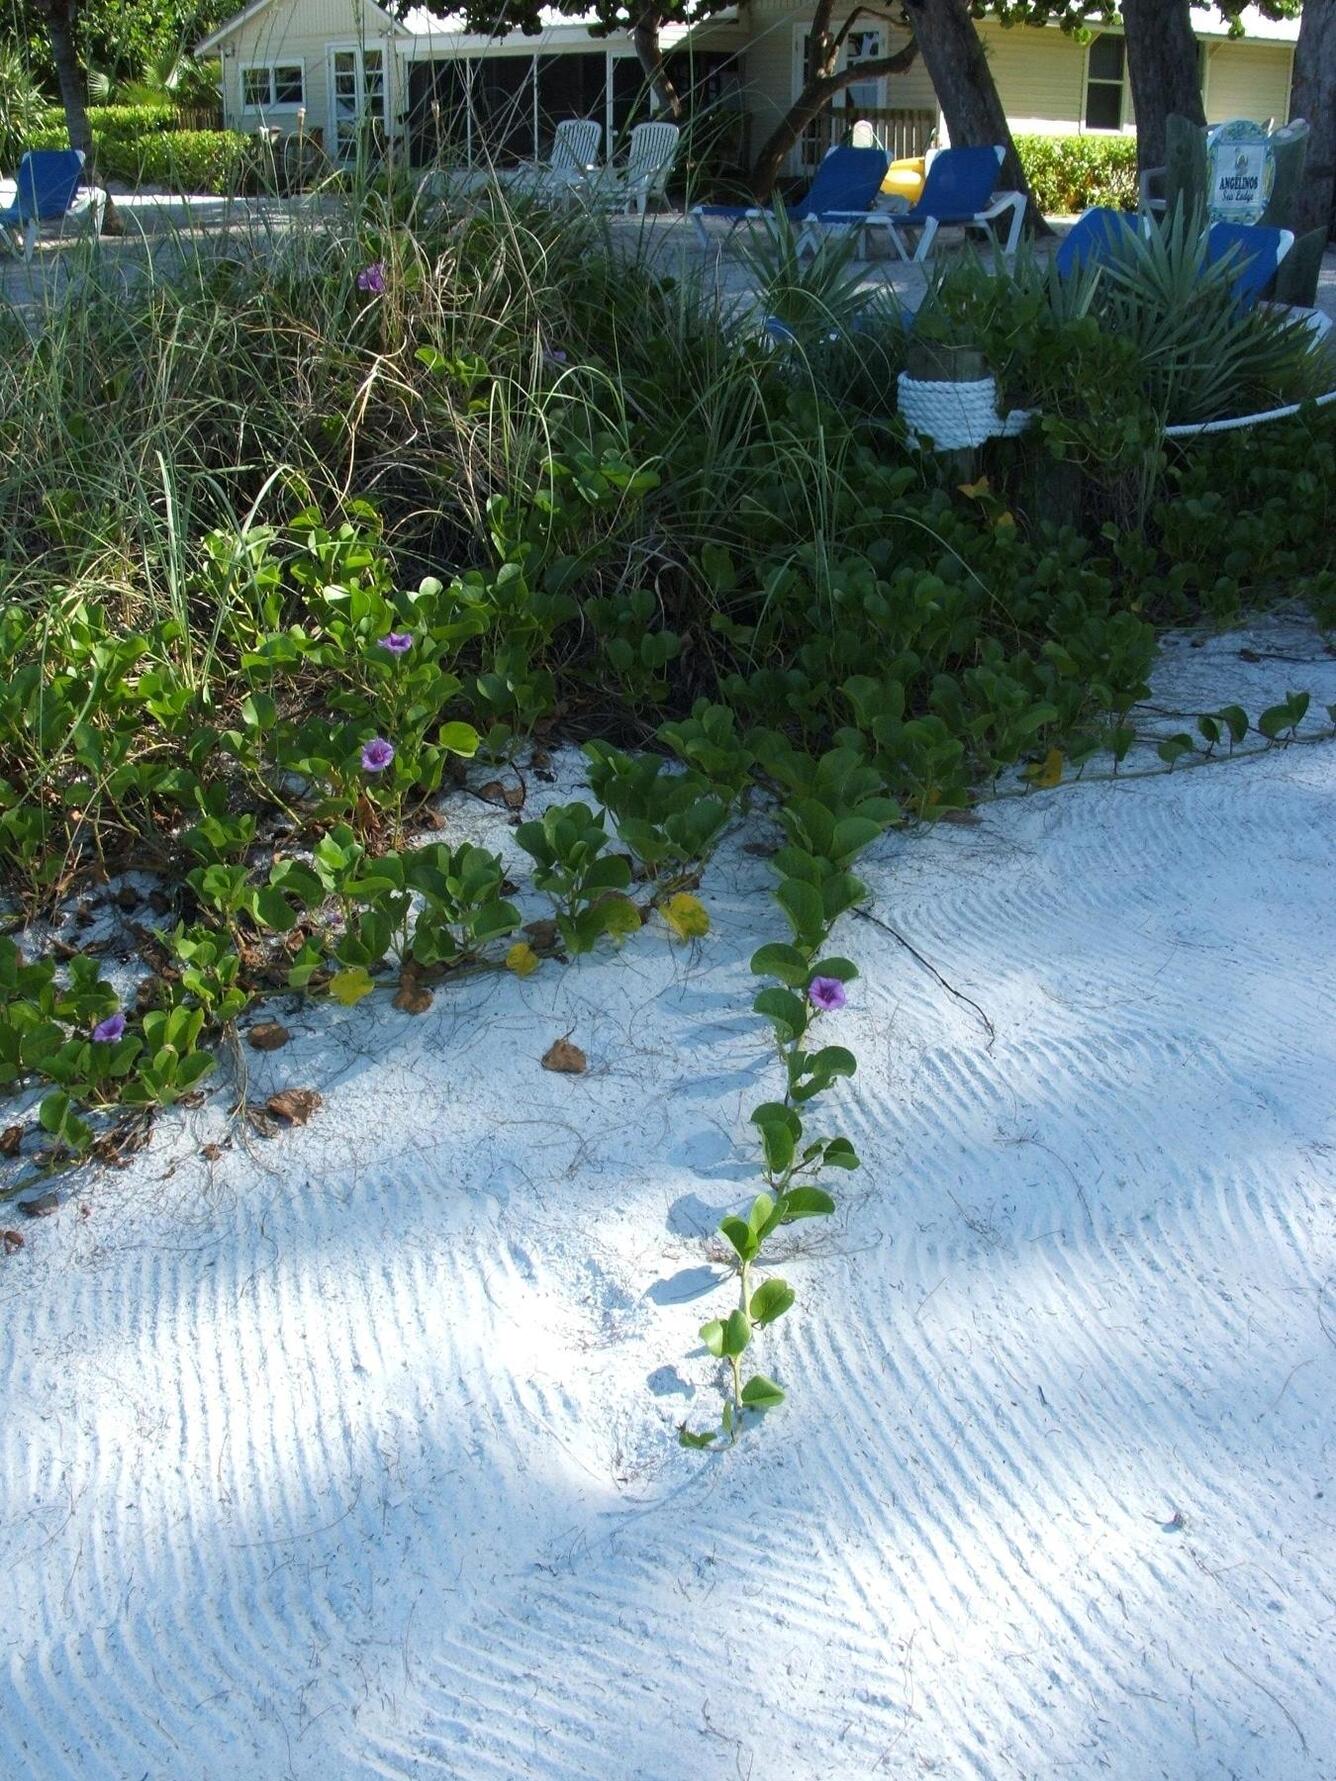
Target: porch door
856, 101
357, 97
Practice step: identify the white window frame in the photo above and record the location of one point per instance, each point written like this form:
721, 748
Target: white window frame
359, 50
1124, 107
801, 32
271, 69
878, 81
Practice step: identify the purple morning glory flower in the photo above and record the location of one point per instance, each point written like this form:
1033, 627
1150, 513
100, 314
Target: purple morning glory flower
108, 1031
554, 357
377, 755
827, 993
397, 642
372, 278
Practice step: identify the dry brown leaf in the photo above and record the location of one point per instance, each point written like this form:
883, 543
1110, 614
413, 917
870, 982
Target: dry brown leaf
10, 1241
496, 791
295, 1105
211, 1152
542, 934
10, 1139
565, 1058
267, 1036
42, 1207
966, 817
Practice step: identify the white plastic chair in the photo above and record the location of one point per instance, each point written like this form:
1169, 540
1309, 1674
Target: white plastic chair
576, 144
574, 157
649, 161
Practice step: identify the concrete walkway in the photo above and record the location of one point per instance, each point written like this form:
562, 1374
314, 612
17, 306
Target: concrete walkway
162, 230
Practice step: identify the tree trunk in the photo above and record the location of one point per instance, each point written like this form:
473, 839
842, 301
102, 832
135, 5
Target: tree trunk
809, 104
1313, 96
963, 82
60, 16
73, 89
1162, 62
645, 37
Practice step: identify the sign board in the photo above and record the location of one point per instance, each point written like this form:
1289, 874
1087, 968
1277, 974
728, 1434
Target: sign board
1241, 170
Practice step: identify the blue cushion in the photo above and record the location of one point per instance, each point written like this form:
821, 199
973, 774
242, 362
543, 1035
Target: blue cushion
1255, 255
1094, 239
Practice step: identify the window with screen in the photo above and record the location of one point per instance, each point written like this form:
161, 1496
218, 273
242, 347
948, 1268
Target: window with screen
1105, 66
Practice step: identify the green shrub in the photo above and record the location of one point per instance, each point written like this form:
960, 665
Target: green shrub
202, 161
1071, 173
121, 124
142, 145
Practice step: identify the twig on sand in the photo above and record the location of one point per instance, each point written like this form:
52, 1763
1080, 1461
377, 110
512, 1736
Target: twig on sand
1284, 1388
1294, 1723
950, 988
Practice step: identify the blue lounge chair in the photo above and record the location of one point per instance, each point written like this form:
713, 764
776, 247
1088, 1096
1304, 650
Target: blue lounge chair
958, 190
1252, 252
842, 188
47, 181
1095, 239
1258, 252
1255, 253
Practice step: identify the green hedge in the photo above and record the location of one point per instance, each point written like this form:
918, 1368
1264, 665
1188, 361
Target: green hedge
1070, 173
118, 123
141, 145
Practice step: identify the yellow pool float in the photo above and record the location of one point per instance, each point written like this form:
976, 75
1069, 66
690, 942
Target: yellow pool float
904, 179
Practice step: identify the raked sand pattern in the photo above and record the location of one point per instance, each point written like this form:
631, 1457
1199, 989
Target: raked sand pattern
350, 1453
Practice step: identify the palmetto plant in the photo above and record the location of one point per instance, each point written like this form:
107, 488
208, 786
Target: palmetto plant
809, 298
22, 106
171, 76
1201, 352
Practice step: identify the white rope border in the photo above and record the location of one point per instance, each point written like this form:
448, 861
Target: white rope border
1190, 429
954, 415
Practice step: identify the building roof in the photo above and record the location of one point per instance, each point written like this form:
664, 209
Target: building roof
216, 39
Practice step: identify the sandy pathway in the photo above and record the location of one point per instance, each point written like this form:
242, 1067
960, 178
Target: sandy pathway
351, 1452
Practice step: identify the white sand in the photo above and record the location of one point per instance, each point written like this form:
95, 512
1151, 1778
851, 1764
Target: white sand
351, 1454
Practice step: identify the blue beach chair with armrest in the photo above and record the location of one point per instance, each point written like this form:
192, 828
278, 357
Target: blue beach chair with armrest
844, 185
959, 189
47, 185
